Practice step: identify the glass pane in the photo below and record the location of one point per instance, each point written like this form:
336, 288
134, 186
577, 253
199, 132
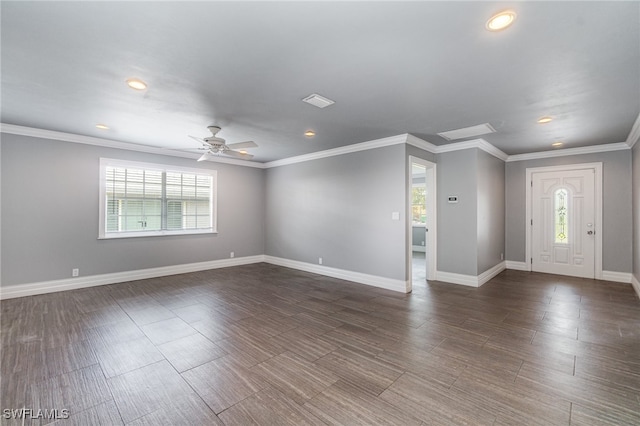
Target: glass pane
153, 223
174, 191
153, 190
561, 217
174, 215
189, 222
188, 179
134, 189
153, 207
189, 192
204, 221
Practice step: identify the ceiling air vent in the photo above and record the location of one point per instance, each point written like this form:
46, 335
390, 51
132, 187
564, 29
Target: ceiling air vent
468, 132
318, 101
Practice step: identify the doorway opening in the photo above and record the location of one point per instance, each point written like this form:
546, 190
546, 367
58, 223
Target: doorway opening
421, 251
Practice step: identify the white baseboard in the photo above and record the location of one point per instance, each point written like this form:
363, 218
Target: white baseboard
470, 280
422, 249
491, 272
619, 277
453, 278
518, 266
358, 277
43, 287
636, 284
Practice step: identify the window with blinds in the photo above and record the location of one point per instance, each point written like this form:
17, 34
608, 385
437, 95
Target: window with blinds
140, 199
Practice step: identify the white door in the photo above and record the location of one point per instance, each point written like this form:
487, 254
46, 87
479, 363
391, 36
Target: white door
563, 222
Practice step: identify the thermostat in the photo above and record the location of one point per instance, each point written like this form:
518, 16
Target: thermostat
452, 199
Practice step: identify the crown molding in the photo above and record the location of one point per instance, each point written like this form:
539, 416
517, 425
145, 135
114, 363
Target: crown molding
109, 143
474, 143
634, 134
620, 146
421, 143
405, 138
378, 143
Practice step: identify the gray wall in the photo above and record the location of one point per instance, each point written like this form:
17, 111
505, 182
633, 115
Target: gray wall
418, 235
339, 208
50, 214
457, 223
636, 210
491, 210
617, 216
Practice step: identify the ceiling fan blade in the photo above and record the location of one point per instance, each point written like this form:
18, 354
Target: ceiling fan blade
205, 156
237, 154
198, 139
242, 145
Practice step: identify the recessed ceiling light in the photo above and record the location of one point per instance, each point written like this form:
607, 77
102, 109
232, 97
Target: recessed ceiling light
102, 126
137, 84
545, 119
501, 20
309, 133
242, 151
557, 144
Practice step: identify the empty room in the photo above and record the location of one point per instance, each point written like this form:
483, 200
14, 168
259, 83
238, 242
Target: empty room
326, 213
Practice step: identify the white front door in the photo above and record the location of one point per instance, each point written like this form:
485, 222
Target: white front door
563, 225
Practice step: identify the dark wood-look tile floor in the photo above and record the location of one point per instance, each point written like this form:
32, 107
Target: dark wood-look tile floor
261, 344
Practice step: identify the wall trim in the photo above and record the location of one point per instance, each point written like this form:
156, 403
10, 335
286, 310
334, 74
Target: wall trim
358, 277
405, 138
21, 290
475, 143
109, 143
636, 285
470, 280
634, 134
517, 266
453, 278
619, 277
347, 149
491, 272
421, 143
620, 146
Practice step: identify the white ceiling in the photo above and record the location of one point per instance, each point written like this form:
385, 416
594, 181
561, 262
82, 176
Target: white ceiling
391, 67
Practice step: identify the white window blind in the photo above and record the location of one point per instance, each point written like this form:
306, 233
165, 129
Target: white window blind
139, 199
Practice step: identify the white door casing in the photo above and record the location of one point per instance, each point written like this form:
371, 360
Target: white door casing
563, 223
569, 245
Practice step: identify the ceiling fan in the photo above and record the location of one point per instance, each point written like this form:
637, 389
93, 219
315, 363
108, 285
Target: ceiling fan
216, 145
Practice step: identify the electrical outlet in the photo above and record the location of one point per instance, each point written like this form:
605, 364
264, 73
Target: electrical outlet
319, 261
232, 255
75, 272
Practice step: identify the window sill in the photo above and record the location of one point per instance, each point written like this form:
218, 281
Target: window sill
116, 235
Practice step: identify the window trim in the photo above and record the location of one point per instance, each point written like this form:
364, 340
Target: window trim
102, 205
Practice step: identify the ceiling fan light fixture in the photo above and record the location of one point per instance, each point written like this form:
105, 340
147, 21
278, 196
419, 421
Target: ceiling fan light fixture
545, 119
501, 20
136, 84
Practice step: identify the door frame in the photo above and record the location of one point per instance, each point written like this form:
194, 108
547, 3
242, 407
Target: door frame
597, 168
432, 223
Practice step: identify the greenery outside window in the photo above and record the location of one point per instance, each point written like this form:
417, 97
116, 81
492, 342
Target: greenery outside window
418, 205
